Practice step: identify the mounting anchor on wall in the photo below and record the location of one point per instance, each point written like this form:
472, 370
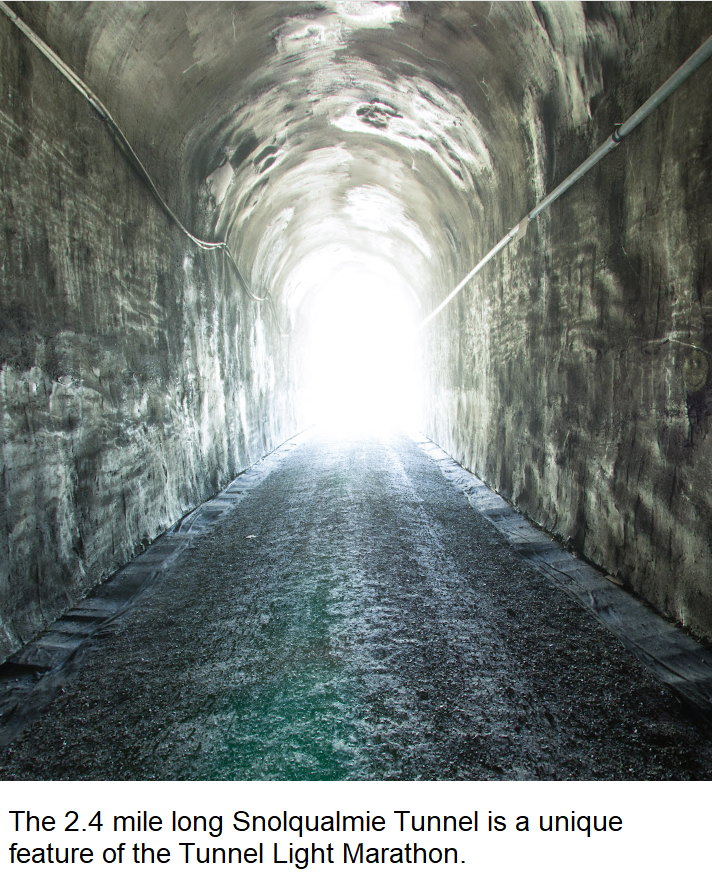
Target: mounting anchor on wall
522, 228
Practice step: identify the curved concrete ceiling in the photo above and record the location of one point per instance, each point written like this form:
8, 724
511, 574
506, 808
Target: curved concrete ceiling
377, 150
325, 140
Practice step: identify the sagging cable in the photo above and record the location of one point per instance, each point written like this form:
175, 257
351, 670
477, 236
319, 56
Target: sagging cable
129, 151
699, 57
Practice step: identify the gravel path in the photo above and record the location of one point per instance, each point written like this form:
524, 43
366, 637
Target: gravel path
354, 618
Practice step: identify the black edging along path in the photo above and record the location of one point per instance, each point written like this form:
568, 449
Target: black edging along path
352, 617
672, 655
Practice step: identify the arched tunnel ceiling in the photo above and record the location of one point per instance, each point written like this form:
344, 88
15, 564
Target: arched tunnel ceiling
316, 136
355, 145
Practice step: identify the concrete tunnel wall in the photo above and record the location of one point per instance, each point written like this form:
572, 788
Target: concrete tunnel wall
138, 376
572, 375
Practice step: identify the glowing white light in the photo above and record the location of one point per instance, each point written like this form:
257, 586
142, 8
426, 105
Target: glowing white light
361, 365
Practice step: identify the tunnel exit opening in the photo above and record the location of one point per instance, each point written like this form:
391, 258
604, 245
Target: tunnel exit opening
361, 369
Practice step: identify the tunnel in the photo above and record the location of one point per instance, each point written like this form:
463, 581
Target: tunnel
229, 231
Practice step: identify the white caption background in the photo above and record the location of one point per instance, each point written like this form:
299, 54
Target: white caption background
662, 846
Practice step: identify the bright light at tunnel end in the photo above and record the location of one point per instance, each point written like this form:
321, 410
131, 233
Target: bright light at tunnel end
362, 374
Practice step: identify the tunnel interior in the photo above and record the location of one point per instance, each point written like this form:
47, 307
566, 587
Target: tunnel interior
357, 159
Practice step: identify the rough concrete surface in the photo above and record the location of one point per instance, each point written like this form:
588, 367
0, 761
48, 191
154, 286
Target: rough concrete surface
322, 140
354, 618
564, 375
136, 378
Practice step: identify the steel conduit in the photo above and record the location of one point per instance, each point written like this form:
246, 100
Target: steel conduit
699, 57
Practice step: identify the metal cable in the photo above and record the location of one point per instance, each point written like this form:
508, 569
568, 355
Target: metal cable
129, 151
673, 82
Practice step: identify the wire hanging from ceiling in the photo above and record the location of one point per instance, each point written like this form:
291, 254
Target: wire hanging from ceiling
128, 150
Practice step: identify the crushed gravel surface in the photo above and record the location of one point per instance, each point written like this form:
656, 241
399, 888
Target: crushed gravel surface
355, 618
